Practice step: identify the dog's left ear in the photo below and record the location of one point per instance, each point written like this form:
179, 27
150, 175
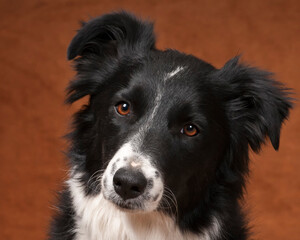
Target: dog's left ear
256, 104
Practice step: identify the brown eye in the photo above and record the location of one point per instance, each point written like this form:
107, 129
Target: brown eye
123, 108
190, 130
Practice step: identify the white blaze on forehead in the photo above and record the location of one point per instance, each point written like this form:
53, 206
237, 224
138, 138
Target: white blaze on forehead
157, 101
173, 73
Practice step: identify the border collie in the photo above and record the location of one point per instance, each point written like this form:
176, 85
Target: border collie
160, 151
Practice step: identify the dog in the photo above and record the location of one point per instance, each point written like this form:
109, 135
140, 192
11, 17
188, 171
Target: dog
160, 151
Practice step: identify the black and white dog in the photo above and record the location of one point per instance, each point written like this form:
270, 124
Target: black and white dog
161, 149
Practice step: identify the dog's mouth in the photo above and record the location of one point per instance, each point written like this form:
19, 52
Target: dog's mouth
128, 206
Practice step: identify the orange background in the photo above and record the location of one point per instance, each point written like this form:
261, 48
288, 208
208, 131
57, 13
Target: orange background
34, 35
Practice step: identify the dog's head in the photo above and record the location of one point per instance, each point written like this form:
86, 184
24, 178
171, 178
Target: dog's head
163, 126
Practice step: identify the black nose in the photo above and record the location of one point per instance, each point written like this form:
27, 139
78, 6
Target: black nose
129, 183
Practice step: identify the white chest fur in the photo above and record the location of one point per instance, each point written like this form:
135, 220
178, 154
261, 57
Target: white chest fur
98, 219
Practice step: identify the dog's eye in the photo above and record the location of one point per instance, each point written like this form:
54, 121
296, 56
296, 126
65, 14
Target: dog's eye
190, 130
123, 108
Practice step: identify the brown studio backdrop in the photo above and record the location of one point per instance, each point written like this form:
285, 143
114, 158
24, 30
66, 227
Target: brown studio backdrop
34, 72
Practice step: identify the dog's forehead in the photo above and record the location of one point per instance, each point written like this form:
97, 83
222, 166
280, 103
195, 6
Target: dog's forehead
167, 64
171, 71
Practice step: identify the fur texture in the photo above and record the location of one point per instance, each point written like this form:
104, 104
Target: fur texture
170, 125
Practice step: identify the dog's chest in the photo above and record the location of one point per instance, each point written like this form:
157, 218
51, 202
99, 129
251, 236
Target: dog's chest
110, 224
98, 219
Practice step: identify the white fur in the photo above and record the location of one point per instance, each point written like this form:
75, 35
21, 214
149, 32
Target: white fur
147, 124
157, 103
214, 230
98, 219
173, 73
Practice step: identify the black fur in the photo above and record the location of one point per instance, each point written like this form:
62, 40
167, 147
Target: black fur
64, 221
234, 107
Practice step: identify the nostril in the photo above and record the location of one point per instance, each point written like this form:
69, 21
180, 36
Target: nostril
129, 183
136, 189
118, 183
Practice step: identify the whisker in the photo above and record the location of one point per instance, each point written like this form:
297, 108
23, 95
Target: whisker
169, 198
94, 185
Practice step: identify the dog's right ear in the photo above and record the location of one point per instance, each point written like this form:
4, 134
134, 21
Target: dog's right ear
101, 45
119, 33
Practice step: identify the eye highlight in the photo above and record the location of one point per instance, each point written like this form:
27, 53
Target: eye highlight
190, 130
123, 108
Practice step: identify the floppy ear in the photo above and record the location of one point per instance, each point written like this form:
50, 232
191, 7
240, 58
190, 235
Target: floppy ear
105, 45
255, 103
120, 30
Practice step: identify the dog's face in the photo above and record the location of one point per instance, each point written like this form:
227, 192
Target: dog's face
158, 128
162, 127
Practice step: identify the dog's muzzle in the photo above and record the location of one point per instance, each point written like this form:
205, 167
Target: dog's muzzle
131, 181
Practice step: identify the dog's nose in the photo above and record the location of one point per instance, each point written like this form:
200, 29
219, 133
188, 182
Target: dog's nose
129, 183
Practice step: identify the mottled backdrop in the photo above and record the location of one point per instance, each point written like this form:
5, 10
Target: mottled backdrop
34, 35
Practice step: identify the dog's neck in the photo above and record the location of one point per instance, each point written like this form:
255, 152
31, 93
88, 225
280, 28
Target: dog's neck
97, 218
